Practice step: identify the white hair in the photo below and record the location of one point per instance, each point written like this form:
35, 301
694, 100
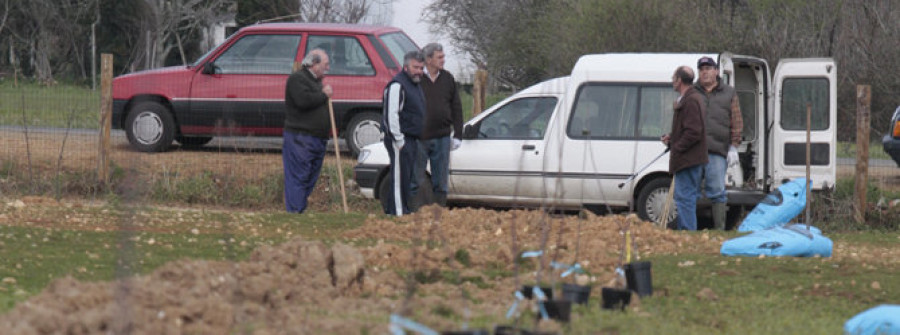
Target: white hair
313, 57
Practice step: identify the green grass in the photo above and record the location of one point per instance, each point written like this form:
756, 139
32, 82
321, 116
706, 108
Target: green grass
848, 150
36, 105
754, 296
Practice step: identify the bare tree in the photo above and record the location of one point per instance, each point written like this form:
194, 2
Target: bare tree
340, 11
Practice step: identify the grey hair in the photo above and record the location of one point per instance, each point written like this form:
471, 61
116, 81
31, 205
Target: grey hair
415, 54
313, 57
429, 49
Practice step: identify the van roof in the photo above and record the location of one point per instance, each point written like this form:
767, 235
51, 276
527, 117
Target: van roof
634, 67
321, 27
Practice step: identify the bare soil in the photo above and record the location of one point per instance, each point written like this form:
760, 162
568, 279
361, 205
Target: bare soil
306, 287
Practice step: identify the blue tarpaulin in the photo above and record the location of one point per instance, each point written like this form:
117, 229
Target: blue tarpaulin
778, 207
884, 320
790, 240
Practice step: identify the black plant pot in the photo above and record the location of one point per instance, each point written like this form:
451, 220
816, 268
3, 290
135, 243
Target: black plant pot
467, 332
527, 291
558, 309
615, 298
510, 330
639, 278
578, 294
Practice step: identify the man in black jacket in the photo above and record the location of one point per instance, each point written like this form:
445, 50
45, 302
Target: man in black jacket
404, 113
443, 116
306, 128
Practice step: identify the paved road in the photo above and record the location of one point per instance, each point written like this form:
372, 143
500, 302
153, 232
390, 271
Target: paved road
274, 143
235, 142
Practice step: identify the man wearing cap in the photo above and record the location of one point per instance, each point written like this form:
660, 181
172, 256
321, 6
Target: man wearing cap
723, 135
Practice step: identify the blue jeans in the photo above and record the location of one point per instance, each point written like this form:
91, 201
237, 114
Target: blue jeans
687, 190
714, 179
302, 157
437, 151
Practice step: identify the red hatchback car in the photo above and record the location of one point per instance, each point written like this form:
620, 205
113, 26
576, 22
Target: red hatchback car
237, 88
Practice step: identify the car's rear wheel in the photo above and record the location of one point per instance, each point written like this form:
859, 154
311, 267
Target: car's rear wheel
652, 199
150, 127
363, 129
192, 141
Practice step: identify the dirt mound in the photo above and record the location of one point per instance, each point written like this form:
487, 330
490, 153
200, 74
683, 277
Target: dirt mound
462, 261
280, 290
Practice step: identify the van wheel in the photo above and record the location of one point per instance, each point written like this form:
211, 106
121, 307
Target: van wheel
364, 129
150, 127
652, 199
734, 217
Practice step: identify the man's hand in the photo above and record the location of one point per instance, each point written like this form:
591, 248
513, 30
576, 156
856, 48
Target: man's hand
665, 139
327, 90
733, 158
455, 144
398, 145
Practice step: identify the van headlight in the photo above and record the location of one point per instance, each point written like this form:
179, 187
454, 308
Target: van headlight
363, 154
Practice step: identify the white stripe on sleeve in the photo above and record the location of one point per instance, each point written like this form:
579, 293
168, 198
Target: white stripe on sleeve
395, 105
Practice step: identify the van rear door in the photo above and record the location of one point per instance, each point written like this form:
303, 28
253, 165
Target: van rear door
800, 84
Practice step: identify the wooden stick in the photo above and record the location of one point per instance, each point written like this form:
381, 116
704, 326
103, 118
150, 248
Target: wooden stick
337, 153
808, 146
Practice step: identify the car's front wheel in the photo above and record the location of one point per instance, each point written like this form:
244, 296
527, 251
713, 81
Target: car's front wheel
363, 129
651, 201
150, 127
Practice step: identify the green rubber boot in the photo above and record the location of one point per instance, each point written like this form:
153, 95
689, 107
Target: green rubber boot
719, 212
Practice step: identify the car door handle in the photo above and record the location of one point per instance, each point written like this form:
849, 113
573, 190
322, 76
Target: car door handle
528, 147
231, 96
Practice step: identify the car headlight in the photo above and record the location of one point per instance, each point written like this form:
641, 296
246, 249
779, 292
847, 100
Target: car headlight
363, 154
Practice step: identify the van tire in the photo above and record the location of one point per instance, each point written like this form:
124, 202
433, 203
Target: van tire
150, 127
363, 129
652, 198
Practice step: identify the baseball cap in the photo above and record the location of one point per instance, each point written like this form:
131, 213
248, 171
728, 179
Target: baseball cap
706, 61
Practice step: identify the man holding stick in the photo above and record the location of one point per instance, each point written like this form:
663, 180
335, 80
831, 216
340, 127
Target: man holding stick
306, 128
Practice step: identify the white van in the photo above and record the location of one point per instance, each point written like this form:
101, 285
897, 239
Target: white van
569, 142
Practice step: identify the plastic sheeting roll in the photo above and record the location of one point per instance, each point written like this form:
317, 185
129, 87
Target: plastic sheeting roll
778, 207
883, 320
791, 240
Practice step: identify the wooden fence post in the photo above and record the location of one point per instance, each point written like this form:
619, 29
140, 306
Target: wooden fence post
863, 102
478, 91
105, 117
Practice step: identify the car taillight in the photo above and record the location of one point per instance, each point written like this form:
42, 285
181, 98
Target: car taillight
897, 128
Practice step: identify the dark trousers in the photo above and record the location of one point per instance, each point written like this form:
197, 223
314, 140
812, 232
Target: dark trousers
403, 172
302, 156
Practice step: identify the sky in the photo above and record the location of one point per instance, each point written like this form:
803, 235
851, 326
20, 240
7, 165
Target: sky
406, 16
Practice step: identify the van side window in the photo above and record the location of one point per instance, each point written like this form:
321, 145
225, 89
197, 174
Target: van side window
259, 54
524, 118
656, 111
604, 111
795, 94
346, 54
611, 111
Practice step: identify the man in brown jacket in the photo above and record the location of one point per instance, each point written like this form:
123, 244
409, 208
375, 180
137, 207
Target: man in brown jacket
687, 143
